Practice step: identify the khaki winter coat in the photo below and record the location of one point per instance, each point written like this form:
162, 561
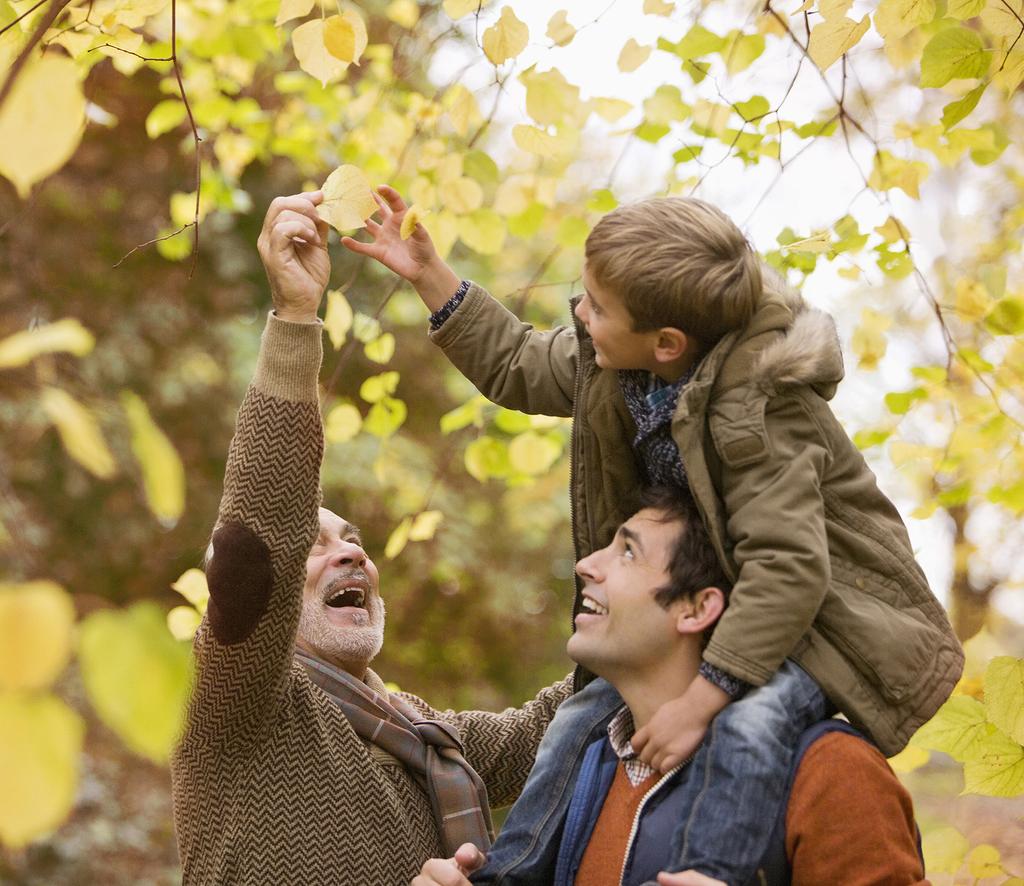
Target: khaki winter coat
822, 563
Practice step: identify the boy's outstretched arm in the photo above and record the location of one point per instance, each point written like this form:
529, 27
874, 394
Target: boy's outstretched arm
414, 259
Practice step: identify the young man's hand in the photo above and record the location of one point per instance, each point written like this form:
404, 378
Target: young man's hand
451, 871
415, 259
293, 247
687, 878
678, 726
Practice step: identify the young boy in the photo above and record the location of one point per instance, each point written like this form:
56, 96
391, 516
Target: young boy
691, 365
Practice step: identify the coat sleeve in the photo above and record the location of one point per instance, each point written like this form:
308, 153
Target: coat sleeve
849, 820
776, 522
266, 525
501, 747
510, 363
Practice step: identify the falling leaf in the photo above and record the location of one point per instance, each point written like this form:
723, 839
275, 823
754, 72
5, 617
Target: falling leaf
833, 37
41, 121
293, 9
506, 38
337, 317
342, 423
348, 199
559, 29
892, 172
632, 56
413, 216
66, 335
162, 471
308, 43
40, 749
36, 623
79, 432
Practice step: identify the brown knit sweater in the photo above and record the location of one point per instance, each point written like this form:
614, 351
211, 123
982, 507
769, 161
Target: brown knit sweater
271, 784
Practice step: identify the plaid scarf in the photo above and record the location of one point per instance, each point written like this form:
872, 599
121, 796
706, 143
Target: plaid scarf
429, 749
652, 403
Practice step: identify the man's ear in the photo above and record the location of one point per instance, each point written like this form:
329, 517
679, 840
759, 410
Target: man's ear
700, 611
672, 344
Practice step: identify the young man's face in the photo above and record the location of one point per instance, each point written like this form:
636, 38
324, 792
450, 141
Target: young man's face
616, 344
622, 628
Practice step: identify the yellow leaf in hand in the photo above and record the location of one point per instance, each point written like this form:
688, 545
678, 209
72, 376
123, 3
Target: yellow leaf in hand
506, 38
290, 9
162, 471
413, 216
559, 29
66, 335
632, 56
41, 121
308, 43
79, 432
348, 199
36, 622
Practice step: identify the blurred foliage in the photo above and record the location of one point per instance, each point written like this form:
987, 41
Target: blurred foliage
118, 387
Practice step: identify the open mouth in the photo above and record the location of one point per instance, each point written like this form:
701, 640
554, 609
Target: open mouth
593, 607
346, 597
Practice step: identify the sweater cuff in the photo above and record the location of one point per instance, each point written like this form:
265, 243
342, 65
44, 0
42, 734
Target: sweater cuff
288, 365
439, 316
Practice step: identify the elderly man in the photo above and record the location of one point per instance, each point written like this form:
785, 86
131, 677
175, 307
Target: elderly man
649, 600
297, 766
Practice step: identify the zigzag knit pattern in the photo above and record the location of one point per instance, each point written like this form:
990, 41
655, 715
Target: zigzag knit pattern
271, 784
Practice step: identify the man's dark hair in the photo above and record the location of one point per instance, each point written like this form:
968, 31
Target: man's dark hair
693, 564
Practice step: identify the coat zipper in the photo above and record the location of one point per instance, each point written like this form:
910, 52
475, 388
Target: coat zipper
639, 812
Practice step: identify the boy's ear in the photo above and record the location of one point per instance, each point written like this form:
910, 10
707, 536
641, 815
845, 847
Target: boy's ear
700, 611
671, 344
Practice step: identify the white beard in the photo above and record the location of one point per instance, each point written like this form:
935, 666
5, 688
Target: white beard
357, 643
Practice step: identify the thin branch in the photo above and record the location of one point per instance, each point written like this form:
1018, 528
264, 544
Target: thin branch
541, 269
145, 58
135, 249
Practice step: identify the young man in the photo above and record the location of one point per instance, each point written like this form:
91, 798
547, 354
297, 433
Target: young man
650, 599
297, 765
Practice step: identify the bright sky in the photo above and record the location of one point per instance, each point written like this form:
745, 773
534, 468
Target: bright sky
820, 186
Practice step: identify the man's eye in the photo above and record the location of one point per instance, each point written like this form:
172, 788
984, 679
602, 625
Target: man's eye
627, 552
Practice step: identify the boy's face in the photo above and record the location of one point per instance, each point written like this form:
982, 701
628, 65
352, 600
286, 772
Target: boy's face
616, 344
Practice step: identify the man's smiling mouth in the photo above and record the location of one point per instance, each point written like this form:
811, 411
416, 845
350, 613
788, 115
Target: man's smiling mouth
592, 607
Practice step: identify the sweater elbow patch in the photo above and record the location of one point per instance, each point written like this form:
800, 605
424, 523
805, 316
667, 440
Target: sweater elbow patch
240, 578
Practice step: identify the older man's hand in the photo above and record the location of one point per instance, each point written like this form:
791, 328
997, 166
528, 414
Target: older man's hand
293, 247
451, 871
687, 878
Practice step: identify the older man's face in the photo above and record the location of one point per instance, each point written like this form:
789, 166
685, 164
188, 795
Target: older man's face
342, 617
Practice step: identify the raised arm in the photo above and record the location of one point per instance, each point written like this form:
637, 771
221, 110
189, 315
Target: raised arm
267, 520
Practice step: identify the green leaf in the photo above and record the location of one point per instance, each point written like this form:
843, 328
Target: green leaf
385, 417
899, 402
602, 201
164, 117
955, 53
137, 676
954, 112
753, 108
964, 9
867, 439
342, 423
983, 861
478, 165
944, 850
573, 231
483, 231
528, 222
398, 539
1004, 695
957, 728
696, 42
1006, 317
487, 457
533, 453
40, 749
651, 132
377, 387
469, 413
997, 768
381, 349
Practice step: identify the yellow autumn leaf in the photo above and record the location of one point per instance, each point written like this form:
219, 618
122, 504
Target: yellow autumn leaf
79, 432
37, 619
398, 539
463, 110
869, 341
658, 7
1002, 18
833, 37
41, 121
892, 172
337, 317
849, 273
404, 13
506, 38
345, 36
381, 349
972, 300
162, 471
40, 749
290, 9
191, 584
632, 56
893, 231
483, 231
462, 196
710, 116
830, 9
63, 336
895, 18
348, 199
342, 423
550, 98
424, 525
443, 228
533, 453
413, 216
559, 29
611, 109
909, 759
308, 43
535, 140
817, 244
183, 622
456, 9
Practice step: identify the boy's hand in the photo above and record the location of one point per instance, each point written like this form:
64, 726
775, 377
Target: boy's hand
451, 871
677, 727
414, 259
293, 247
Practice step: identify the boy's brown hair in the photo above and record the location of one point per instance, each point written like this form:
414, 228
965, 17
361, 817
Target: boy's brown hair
679, 262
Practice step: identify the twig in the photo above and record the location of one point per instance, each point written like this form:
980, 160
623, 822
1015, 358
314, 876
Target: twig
541, 269
155, 240
145, 58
